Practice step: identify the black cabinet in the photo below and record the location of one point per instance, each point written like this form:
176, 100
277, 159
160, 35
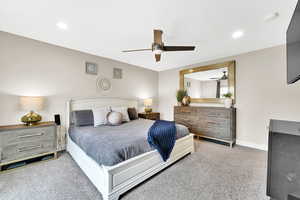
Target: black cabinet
283, 181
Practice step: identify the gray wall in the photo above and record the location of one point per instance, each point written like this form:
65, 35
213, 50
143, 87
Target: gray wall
32, 68
261, 93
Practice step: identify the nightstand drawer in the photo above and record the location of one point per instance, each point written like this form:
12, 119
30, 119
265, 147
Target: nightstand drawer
151, 116
26, 149
30, 134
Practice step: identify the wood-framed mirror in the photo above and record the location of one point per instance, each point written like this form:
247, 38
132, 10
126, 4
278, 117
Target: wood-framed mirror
208, 84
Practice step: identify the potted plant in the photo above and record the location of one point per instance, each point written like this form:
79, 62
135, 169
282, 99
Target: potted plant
228, 100
180, 95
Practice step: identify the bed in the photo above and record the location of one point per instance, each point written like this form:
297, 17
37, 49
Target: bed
114, 177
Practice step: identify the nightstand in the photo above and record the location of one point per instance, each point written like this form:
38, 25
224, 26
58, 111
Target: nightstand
21, 142
151, 115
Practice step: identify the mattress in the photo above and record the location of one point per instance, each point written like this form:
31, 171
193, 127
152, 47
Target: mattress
110, 145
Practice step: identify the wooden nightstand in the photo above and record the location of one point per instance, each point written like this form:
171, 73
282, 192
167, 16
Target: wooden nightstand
151, 116
21, 142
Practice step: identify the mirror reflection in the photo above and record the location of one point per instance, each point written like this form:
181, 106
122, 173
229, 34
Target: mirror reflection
207, 84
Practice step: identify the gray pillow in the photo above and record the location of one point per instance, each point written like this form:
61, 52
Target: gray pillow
83, 118
132, 113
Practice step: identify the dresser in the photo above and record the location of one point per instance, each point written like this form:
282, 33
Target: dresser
217, 123
151, 115
21, 142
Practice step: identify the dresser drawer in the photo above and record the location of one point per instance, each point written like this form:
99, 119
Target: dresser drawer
30, 134
183, 109
217, 133
26, 149
218, 114
217, 123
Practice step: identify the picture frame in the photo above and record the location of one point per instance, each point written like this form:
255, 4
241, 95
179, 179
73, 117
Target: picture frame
91, 68
117, 73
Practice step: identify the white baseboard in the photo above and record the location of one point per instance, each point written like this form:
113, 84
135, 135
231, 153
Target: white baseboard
252, 145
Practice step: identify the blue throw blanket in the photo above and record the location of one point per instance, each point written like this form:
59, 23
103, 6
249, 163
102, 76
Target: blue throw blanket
162, 136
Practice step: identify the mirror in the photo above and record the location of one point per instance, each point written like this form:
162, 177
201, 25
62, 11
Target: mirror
209, 83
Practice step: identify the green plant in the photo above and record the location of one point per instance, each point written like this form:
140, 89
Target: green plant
227, 95
180, 94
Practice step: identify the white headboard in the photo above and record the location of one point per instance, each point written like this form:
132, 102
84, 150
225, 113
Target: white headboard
90, 103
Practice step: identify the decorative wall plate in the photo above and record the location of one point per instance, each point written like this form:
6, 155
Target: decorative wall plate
104, 84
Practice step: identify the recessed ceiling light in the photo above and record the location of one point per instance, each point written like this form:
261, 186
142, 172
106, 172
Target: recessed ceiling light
62, 25
237, 34
271, 16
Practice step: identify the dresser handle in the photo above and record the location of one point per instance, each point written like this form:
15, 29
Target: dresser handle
32, 135
29, 148
212, 122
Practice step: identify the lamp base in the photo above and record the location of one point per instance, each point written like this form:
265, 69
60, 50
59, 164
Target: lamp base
148, 110
31, 118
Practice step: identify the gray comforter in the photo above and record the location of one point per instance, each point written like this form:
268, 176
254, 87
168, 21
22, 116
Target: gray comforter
110, 145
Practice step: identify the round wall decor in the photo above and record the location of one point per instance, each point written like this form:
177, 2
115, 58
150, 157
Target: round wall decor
104, 84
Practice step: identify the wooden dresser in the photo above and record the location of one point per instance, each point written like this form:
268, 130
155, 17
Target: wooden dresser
21, 142
216, 123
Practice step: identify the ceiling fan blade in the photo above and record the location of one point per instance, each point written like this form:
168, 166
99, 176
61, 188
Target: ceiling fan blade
157, 57
179, 48
158, 37
133, 50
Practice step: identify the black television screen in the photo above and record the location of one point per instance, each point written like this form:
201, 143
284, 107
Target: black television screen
293, 47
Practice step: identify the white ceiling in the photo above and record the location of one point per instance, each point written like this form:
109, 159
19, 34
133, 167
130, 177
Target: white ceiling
106, 27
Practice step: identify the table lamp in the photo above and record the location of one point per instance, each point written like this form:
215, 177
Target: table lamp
148, 104
31, 104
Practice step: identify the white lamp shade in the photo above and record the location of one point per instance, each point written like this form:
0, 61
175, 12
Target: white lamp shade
32, 103
148, 102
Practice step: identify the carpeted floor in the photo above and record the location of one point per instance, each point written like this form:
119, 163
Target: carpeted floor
213, 172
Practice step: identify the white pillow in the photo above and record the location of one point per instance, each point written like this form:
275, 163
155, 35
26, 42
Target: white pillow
114, 118
123, 111
100, 115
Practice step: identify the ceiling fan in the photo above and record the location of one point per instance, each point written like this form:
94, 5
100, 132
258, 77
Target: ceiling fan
224, 77
158, 46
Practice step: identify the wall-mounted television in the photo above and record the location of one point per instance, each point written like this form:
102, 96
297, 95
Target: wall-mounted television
293, 47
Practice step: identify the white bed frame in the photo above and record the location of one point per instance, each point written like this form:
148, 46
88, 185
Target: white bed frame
115, 180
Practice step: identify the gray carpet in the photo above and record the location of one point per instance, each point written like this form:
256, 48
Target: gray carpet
213, 172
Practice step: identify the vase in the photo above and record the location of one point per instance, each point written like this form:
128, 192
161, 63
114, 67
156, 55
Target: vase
228, 102
186, 100
179, 103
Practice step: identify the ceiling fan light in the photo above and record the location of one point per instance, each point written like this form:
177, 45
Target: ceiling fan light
157, 51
